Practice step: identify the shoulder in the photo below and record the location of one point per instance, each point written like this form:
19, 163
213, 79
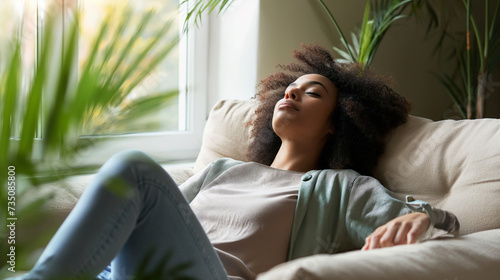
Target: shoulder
330, 182
348, 175
334, 175
349, 180
219, 166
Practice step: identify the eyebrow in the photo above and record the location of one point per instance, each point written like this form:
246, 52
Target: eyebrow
312, 83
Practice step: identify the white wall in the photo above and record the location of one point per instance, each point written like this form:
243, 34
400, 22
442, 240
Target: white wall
233, 48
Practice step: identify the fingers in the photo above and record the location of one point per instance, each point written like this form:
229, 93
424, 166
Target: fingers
391, 235
373, 241
416, 231
402, 230
402, 234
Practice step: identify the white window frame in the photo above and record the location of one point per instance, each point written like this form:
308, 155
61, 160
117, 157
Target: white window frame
169, 147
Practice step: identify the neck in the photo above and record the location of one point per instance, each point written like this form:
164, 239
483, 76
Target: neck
297, 157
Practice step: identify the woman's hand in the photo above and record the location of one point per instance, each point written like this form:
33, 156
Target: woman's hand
401, 230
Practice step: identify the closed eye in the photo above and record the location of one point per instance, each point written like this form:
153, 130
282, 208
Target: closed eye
313, 93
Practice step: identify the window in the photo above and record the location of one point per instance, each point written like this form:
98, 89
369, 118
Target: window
165, 77
11, 13
173, 133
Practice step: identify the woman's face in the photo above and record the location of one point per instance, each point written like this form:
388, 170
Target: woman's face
305, 110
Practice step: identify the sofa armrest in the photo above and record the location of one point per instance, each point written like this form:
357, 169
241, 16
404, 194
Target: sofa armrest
472, 256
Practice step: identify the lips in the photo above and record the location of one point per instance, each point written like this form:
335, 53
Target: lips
283, 104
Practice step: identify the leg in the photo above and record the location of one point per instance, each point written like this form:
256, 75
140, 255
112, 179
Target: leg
131, 210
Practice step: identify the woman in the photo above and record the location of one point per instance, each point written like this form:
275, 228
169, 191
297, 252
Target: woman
241, 219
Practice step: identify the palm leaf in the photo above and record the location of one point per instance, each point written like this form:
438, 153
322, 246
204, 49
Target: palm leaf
68, 100
343, 54
201, 6
453, 91
339, 30
128, 47
355, 44
366, 34
142, 54
385, 13
54, 130
378, 16
34, 97
141, 107
9, 98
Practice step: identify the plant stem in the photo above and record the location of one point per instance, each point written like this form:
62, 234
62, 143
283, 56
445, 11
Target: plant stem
342, 37
469, 86
481, 88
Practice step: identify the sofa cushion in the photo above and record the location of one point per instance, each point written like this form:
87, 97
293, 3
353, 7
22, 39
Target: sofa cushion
226, 134
454, 165
469, 257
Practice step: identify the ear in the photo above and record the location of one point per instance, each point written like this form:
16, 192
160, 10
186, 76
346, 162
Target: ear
331, 130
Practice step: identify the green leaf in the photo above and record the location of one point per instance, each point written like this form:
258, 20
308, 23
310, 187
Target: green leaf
55, 127
128, 47
366, 34
9, 97
494, 24
152, 65
343, 54
34, 98
141, 107
366, 44
142, 54
201, 6
355, 43
453, 91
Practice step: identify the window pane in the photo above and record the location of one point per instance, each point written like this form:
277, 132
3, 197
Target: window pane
162, 79
15, 14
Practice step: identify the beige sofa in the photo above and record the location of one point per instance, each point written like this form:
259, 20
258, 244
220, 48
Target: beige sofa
455, 165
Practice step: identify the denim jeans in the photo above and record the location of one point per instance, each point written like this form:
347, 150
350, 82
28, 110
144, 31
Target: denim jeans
132, 210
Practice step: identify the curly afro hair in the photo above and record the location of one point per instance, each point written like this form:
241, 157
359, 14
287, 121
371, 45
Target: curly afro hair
367, 109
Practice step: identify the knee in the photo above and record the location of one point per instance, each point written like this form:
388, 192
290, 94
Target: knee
126, 161
132, 157
123, 170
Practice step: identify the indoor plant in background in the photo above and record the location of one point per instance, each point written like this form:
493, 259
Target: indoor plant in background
43, 117
377, 19
476, 53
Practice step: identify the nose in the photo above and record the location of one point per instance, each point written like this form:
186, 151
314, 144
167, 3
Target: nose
290, 95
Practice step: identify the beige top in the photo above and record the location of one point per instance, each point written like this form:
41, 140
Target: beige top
247, 213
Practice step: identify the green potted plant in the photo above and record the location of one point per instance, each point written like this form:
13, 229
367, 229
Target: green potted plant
377, 19
42, 118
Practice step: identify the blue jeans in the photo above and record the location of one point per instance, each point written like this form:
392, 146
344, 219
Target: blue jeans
132, 210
